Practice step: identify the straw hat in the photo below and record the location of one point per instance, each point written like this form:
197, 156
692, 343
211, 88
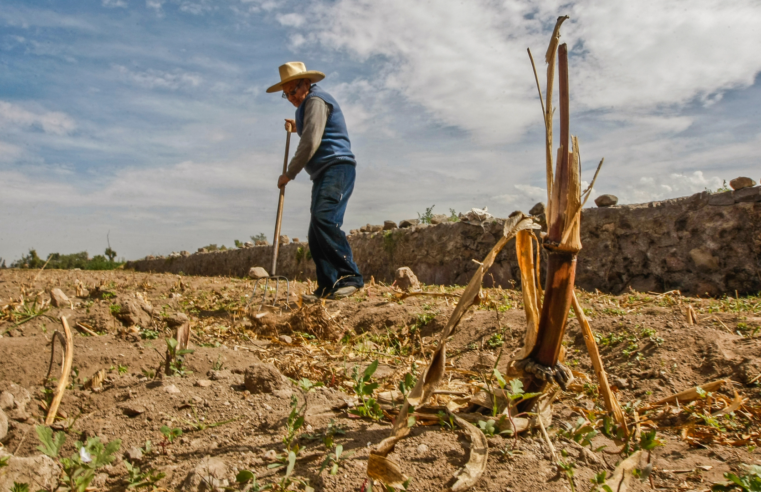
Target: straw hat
295, 70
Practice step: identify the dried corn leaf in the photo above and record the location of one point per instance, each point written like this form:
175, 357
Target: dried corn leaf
468, 475
525, 252
96, 381
387, 471
690, 394
622, 475
737, 402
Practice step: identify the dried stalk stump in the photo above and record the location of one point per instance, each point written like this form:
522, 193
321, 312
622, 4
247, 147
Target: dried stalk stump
63, 381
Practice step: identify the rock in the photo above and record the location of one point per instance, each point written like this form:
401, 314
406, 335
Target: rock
178, 319
172, 389
620, 383
752, 194
439, 218
203, 383
704, 260
248, 244
537, 209
354, 232
135, 312
422, 449
484, 361
220, 375
270, 455
284, 239
6, 401
184, 253
295, 240
3, 425
389, 225
408, 223
20, 396
202, 250
265, 378
40, 472
134, 454
285, 339
58, 298
132, 409
383, 371
373, 228
258, 272
208, 475
99, 482
261, 242
406, 280
606, 200
741, 182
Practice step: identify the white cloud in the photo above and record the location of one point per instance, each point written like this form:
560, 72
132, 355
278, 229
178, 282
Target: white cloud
466, 62
291, 20
155, 5
649, 188
115, 4
160, 79
16, 116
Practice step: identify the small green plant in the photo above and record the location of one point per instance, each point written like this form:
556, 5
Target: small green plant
495, 341
598, 483
218, 364
170, 434
79, 470
20, 487
567, 470
307, 385
244, 477
364, 391
446, 420
491, 429
115, 309
453, 217
583, 433
333, 460
4, 461
176, 358
293, 424
149, 373
122, 369
137, 479
149, 334
427, 216
747, 482
259, 237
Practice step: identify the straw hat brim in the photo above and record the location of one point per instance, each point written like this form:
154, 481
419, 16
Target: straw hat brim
312, 75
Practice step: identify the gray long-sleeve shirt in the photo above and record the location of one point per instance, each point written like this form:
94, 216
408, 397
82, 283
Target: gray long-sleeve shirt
315, 118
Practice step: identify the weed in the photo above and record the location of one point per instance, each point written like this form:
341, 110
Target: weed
79, 470
582, 433
149, 334
120, 369
245, 476
491, 429
137, 479
364, 390
293, 424
217, 366
170, 434
149, 373
567, 470
20, 487
389, 242
427, 216
176, 358
409, 382
115, 309
495, 341
446, 420
453, 217
27, 313
598, 483
4, 461
307, 385
333, 460
748, 482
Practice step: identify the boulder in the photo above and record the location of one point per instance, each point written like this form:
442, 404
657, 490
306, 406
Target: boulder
284, 239
261, 242
408, 223
537, 209
439, 218
389, 225
406, 280
741, 182
606, 200
353, 232
134, 454
135, 312
248, 244
258, 272
58, 298
722, 199
202, 250
209, 475
39, 472
373, 228
265, 378
295, 240
184, 253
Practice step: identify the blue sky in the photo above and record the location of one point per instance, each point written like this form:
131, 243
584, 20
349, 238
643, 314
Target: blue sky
149, 119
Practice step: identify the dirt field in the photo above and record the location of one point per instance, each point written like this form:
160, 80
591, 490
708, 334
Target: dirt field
649, 349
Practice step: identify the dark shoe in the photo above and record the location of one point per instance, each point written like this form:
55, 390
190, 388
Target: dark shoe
309, 298
342, 292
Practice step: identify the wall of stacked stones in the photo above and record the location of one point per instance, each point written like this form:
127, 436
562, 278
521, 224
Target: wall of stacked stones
705, 243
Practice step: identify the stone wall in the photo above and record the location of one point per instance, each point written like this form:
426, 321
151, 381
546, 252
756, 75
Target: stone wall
705, 243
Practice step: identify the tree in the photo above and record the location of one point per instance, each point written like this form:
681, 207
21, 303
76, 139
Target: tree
111, 254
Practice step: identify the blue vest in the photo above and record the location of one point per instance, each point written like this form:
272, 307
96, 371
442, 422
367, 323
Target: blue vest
335, 147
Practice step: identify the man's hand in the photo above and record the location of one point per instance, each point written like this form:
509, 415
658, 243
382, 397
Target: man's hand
282, 181
290, 125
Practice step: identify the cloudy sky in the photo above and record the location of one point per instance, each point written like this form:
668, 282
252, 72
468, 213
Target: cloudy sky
148, 118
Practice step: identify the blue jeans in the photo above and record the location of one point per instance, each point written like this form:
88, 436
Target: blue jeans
327, 242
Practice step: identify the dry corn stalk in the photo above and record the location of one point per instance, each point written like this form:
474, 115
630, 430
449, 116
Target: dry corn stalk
68, 358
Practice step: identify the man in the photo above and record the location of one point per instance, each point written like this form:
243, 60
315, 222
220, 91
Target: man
324, 151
